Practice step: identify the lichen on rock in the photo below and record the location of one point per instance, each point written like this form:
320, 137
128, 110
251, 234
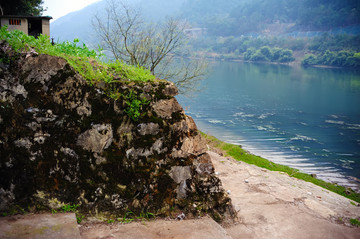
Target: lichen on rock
63, 141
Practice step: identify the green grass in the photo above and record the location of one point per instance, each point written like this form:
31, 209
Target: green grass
87, 62
70, 208
355, 222
240, 154
129, 217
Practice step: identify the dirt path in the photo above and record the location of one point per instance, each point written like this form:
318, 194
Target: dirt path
274, 205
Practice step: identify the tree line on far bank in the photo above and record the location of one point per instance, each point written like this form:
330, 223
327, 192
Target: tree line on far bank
333, 50
331, 58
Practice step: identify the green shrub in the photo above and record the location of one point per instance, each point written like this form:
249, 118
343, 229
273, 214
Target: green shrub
355, 222
309, 59
249, 52
258, 56
286, 56
267, 52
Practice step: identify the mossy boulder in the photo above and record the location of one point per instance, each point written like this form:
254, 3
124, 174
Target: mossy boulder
65, 141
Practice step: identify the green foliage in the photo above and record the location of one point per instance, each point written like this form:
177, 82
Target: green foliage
266, 53
22, 7
249, 53
332, 50
258, 56
237, 17
146, 216
309, 59
286, 55
87, 63
109, 221
240, 154
134, 105
79, 218
355, 222
81, 58
70, 207
129, 216
330, 58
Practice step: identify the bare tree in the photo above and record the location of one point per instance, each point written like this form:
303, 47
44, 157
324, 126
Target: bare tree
131, 39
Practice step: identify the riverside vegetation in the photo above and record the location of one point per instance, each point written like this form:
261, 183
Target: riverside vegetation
291, 30
331, 50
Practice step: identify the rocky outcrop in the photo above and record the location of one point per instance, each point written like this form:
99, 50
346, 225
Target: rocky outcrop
64, 141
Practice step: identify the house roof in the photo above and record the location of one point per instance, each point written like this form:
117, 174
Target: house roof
27, 17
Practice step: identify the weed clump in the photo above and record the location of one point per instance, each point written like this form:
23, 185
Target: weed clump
87, 62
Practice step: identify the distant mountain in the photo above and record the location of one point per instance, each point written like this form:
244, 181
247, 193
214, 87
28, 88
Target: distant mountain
225, 18
79, 24
76, 24
238, 17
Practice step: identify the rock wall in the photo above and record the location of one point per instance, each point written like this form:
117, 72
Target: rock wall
63, 141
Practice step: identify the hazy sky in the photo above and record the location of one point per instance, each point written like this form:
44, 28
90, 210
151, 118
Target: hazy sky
59, 8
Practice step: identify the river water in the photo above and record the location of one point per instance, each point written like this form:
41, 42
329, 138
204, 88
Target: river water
306, 118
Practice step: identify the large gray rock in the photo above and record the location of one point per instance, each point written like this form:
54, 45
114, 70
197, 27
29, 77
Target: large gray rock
96, 139
166, 108
63, 141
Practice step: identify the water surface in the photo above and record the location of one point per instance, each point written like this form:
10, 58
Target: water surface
307, 118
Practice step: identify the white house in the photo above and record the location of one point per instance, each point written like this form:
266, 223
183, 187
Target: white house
30, 25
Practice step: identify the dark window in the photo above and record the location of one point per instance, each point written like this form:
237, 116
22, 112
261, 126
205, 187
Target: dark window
14, 22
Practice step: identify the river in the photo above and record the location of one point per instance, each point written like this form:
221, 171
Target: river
306, 118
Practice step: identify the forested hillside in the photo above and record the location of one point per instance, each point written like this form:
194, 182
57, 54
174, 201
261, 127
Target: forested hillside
232, 17
255, 30
237, 17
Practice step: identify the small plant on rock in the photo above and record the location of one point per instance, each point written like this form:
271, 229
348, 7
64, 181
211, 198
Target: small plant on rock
134, 105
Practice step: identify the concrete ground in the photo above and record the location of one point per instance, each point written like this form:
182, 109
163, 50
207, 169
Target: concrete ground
40, 226
269, 204
204, 228
274, 205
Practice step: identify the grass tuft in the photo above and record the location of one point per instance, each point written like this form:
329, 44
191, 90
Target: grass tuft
87, 62
355, 222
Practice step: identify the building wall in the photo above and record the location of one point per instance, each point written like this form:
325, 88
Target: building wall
23, 27
45, 27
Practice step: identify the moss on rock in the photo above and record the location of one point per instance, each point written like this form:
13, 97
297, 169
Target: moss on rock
63, 141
